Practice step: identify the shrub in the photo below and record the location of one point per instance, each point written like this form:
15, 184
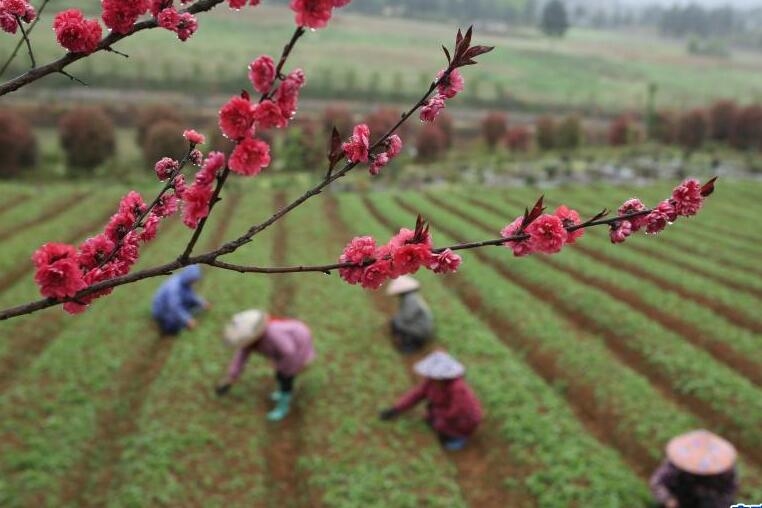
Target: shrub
545, 133
444, 121
664, 127
569, 133
152, 115
518, 139
383, 119
722, 116
693, 129
165, 139
431, 142
18, 145
494, 127
622, 131
87, 137
747, 130
302, 149
337, 116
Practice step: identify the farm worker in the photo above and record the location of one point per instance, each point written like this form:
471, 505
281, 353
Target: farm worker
286, 342
453, 410
413, 325
699, 472
175, 301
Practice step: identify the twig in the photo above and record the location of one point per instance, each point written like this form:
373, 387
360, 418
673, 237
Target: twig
21, 42
73, 78
112, 50
26, 39
108, 41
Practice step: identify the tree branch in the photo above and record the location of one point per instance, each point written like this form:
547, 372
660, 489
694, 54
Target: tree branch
21, 42
26, 39
58, 66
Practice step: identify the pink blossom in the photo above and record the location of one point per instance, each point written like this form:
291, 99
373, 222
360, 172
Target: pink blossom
8, 22
196, 204
120, 15
168, 18
431, 110
687, 198
150, 228
374, 276
58, 274
179, 185
287, 95
14, 7
356, 149
208, 172
268, 114
75, 33
394, 144
193, 137
262, 73
406, 236
127, 254
312, 13
546, 234
186, 27
379, 161
156, 6
166, 206
94, 251
631, 206
165, 166
238, 4
341, 3
520, 247
119, 225
620, 230
236, 118
132, 203
445, 262
297, 76
29, 14
667, 209
195, 156
410, 257
249, 157
569, 218
656, 221
359, 250
450, 87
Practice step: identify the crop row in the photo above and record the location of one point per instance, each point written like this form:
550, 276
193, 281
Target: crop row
689, 371
551, 449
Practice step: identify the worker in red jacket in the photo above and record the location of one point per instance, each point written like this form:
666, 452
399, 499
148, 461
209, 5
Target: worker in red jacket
453, 412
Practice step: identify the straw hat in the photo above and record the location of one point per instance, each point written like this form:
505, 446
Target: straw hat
701, 453
401, 285
439, 365
245, 328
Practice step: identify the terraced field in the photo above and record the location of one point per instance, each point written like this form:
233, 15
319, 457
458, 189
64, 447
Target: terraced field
586, 362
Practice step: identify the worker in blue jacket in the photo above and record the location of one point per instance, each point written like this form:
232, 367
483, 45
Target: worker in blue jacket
175, 302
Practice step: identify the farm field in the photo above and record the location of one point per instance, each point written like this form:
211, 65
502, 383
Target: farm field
591, 69
586, 362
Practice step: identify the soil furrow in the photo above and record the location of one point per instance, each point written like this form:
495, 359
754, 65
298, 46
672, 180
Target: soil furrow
722, 352
288, 484
90, 481
731, 314
48, 213
615, 342
13, 202
481, 475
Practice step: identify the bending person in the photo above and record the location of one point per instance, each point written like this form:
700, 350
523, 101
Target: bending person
175, 302
453, 411
286, 342
699, 472
413, 325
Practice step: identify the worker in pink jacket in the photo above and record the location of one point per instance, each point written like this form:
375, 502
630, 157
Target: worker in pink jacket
287, 343
453, 412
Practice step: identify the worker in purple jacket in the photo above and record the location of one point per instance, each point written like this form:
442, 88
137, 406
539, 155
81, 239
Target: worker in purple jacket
286, 342
699, 472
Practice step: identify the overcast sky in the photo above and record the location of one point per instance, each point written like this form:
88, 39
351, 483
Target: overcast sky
738, 3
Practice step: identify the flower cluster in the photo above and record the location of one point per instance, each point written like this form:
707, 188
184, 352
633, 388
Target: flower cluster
75, 33
14, 11
63, 270
406, 252
449, 83
686, 200
315, 13
357, 149
197, 198
541, 232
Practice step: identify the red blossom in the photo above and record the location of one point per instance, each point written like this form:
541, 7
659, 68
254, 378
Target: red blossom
357, 148
379, 161
262, 73
179, 185
374, 276
196, 204
250, 157
186, 27
165, 166
287, 96
667, 209
58, 274
75, 33
656, 221
631, 206
546, 234
569, 218
8, 22
166, 206
236, 118
267, 114
359, 250
450, 87
312, 13
410, 257
150, 227
121, 15
394, 144
168, 18
687, 198
431, 110
94, 251
620, 230
520, 247
208, 172
132, 203
445, 262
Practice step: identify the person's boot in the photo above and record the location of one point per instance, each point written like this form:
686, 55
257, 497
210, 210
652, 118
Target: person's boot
276, 395
281, 408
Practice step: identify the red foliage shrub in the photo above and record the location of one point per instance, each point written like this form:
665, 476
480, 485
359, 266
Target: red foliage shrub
18, 145
444, 121
383, 119
623, 131
164, 139
747, 131
152, 115
545, 133
340, 117
88, 138
722, 117
664, 129
693, 129
431, 142
518, 139
494, 127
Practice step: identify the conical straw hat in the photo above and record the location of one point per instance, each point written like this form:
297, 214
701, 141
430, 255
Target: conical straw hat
403, 284
245, 328
702, 453
439, 365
